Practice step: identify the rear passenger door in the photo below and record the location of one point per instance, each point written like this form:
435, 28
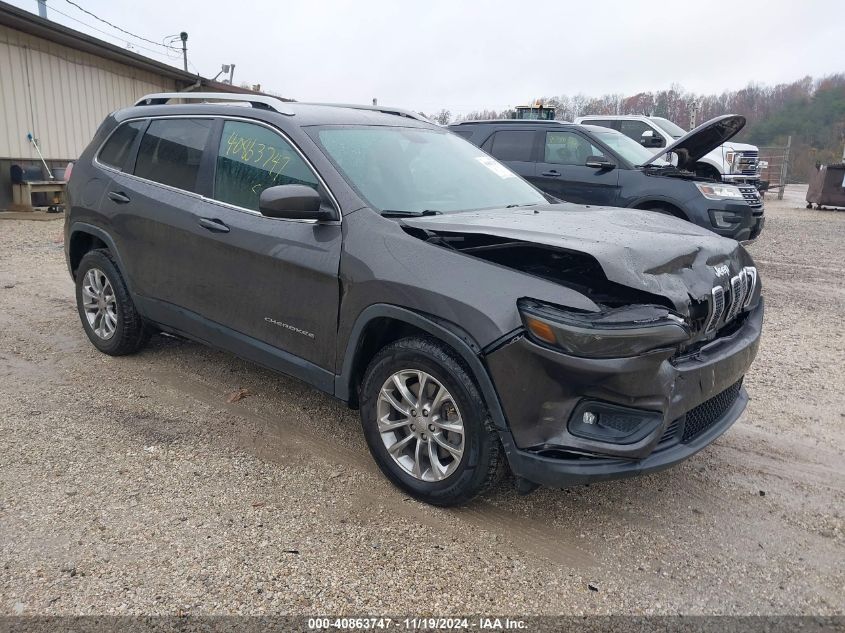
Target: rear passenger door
563, 171
515, 148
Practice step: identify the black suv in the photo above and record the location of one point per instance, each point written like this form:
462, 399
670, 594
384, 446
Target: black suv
388, 262
588, 164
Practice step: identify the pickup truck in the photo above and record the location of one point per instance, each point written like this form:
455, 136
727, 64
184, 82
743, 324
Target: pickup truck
730, 162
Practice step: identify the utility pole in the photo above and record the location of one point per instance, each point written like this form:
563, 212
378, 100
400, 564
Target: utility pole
231, 74
42, 8
184, 37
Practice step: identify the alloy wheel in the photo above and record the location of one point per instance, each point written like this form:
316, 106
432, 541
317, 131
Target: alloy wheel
420, 425
99, 303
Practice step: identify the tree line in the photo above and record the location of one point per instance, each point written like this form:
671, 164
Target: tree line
811, 111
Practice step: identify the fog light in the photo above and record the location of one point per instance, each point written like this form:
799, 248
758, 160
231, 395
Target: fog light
611, 423
724, 219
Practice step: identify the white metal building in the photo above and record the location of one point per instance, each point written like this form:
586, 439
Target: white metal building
59, 84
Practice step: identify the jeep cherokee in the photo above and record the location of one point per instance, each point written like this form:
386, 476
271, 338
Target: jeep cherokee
392, 264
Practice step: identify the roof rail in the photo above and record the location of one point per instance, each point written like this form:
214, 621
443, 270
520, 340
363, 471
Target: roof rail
262, 102
510, 121
383, 109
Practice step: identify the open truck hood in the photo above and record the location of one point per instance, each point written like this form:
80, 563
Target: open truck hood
642, 250
702, 140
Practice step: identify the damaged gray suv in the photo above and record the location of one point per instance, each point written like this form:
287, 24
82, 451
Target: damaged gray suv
384, 260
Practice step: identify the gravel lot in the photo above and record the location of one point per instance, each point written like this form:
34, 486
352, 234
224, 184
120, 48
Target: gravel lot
131, 485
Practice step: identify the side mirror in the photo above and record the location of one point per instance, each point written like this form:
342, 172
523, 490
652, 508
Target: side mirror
294, 202
599, 162
651, 139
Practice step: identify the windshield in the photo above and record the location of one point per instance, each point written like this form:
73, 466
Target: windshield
626, 147
411, 170
674, 131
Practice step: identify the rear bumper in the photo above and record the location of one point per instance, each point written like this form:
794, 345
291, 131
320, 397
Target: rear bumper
697, 398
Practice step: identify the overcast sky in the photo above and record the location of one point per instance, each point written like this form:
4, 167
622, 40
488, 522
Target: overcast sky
471, 55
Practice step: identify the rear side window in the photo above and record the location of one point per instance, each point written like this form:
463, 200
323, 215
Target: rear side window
116, 149
463, 133
600, 122
171, 151
512, 145
252, 158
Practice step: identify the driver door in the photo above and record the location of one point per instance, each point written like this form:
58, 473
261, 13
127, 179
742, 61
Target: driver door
564, 174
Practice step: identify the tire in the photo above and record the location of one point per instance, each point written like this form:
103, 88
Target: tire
119, 330
457, 480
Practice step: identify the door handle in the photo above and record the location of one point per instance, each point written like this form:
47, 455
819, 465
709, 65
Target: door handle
119, 197
551, 173
214, 225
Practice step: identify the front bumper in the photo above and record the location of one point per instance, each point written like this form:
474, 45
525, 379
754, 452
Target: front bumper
740, 178
540, 388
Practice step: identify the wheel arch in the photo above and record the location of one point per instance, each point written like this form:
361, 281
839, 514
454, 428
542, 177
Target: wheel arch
85, 237
669, 207
380, 324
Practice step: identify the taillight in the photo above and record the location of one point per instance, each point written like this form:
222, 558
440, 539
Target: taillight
68, 171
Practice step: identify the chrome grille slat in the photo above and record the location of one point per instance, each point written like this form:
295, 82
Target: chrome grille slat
717, 308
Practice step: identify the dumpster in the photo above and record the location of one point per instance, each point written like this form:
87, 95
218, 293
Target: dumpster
827, 186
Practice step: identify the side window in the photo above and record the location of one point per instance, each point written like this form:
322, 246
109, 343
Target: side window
568, 148
635, 129
116, 149
512, 145
601, 122
171, 151
252, 158
463, 133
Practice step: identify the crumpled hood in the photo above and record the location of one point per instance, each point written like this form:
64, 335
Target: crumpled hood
643, 250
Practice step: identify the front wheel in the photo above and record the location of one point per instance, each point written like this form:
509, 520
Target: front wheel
426, 424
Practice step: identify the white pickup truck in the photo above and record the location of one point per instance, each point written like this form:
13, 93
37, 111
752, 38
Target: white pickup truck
730, 162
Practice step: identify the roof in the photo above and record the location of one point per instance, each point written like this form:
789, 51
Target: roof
300, 114
27, 22
509, 122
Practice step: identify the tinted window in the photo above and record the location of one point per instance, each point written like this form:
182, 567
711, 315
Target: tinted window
568, 148
117, 148
513, 145
601, 122
171, 151
634, 129
463, 133
252, 158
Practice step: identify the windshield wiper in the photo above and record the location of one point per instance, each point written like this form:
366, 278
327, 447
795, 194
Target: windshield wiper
393, 213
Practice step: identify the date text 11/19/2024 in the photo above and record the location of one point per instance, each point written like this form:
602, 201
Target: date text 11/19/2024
417, 624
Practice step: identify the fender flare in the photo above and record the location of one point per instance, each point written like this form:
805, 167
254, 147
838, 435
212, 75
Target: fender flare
101, 234
454, 336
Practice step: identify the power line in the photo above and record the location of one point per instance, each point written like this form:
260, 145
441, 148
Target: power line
111, 35
114, 26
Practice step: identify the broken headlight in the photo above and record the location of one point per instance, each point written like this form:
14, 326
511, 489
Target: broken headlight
615, 333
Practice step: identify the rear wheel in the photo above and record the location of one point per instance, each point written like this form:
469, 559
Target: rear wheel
108, 315
426, 424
